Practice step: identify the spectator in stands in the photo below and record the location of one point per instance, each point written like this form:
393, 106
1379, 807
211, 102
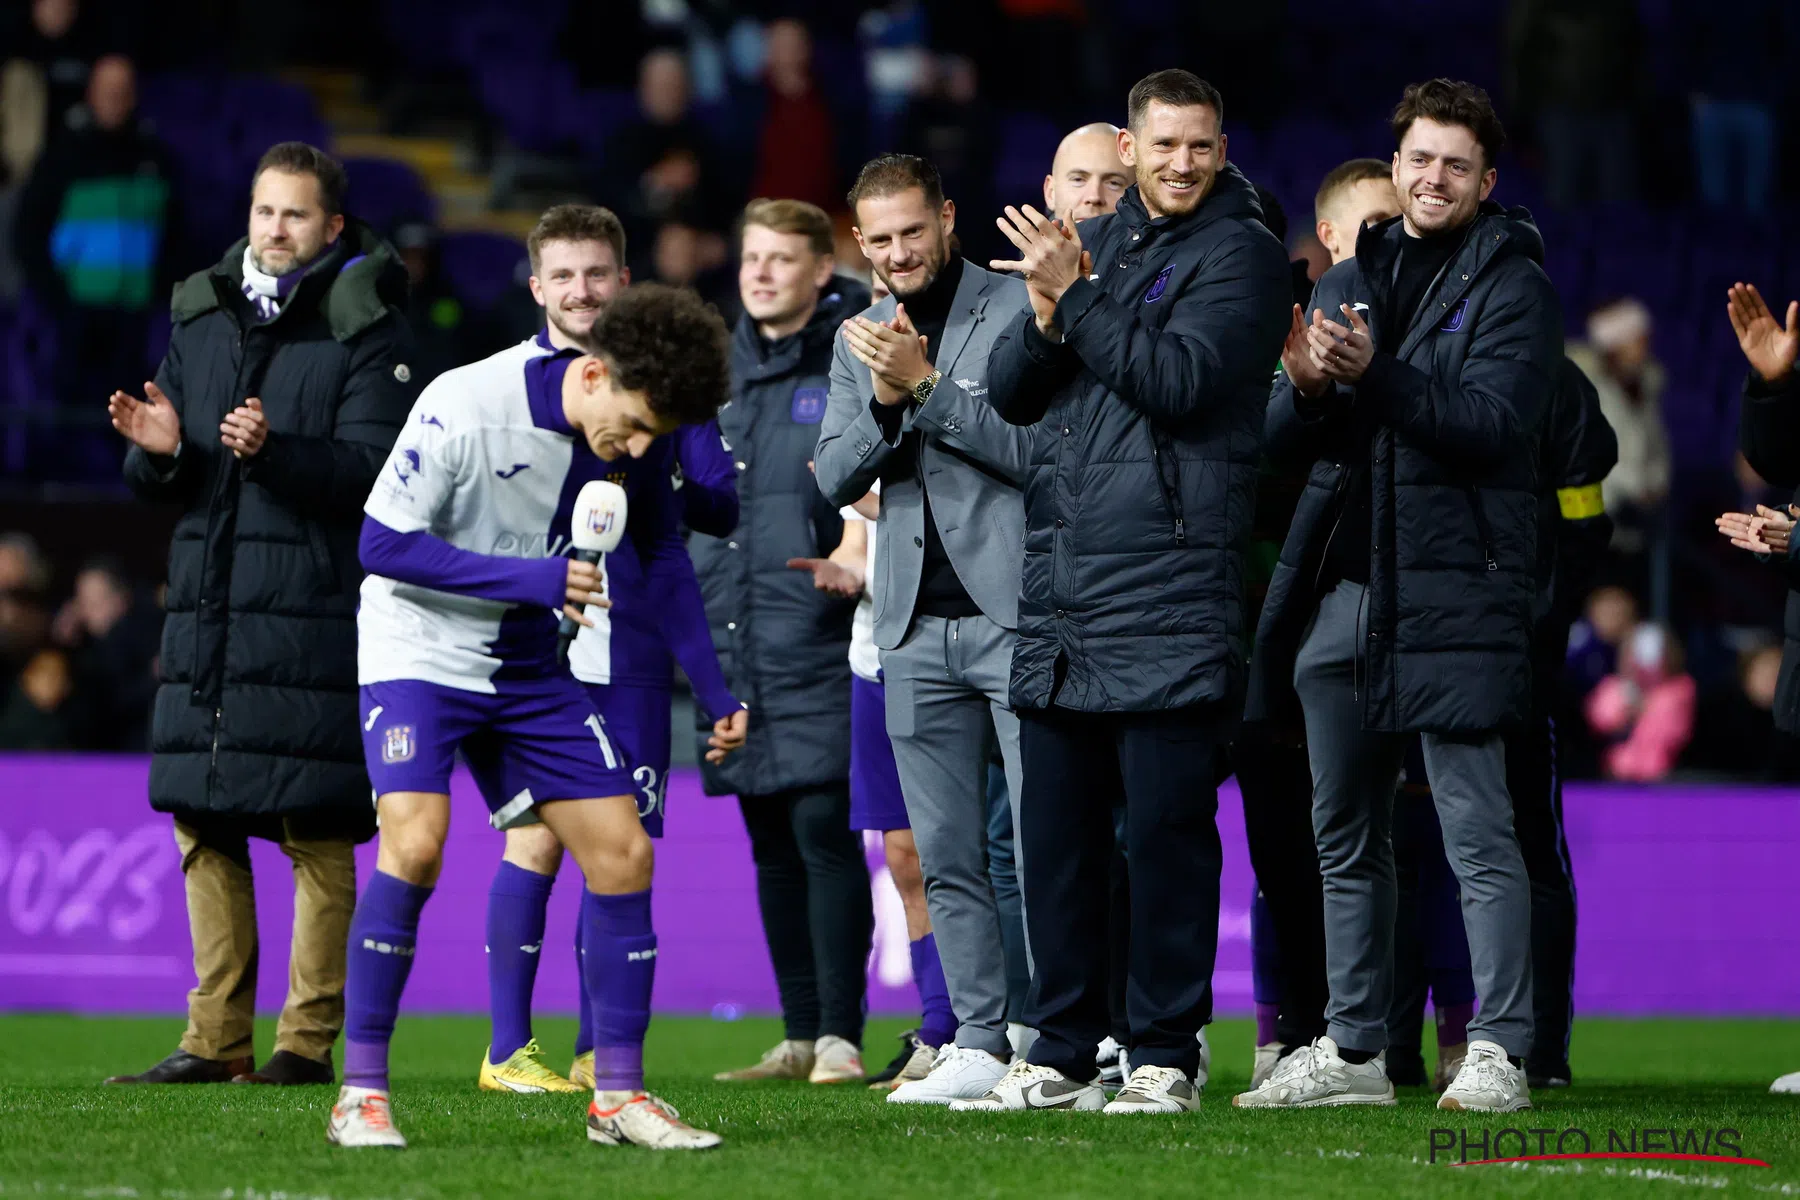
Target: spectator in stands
1734, 730
780, 610
288, 376
1575, 70
1618, 361
1646, 709
34, 714
446, 332
796, 147
662, 164
111, 632
684, 255
24, 602
60, 42
951, 125
1734, 58
93, 234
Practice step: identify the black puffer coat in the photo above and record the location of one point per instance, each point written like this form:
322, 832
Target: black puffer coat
1142, 477
784, 645
1769, 435
257, 710
1451, 426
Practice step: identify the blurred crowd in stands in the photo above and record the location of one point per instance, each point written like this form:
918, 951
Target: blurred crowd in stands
1653, 151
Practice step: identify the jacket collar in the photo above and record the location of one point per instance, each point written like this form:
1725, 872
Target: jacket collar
352, 284
754, 359
1232, 195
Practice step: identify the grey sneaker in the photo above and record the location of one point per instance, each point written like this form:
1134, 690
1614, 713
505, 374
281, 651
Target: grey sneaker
1155, 1090
1316, 1076
1029, 1086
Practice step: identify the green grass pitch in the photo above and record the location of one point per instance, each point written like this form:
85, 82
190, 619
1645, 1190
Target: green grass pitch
63, 1134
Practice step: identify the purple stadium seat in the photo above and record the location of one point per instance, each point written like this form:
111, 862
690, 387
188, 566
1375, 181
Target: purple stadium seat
480, 267
386, 193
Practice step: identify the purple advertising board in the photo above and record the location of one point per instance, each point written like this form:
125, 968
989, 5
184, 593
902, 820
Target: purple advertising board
1689, 902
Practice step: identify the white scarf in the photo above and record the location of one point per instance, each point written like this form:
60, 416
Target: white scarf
265, 291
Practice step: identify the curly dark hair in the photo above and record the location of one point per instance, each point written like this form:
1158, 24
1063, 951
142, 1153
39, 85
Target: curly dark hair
669, 344
1451, 102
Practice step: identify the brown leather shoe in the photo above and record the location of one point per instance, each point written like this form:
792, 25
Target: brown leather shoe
286, 1068
182, 1067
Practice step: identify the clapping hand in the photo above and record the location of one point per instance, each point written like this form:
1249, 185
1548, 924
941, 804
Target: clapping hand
1338, 352
1770, 348
152, 424
245, 428
1307, 379
894, 351
1767, 532
1050, 259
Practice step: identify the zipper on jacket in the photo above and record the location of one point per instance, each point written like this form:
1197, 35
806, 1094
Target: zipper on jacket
213, 771
1171, 492
1481, 526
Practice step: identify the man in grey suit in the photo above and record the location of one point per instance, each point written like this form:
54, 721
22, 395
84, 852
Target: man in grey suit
906, 410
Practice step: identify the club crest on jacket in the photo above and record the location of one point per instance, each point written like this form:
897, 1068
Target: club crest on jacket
809, 405
1159, 285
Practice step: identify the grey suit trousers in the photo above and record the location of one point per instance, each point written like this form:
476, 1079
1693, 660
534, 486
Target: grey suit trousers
946, 683
1355, 774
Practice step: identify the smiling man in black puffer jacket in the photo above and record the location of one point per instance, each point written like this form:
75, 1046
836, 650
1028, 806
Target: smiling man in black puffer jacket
1146, 374
1403, 600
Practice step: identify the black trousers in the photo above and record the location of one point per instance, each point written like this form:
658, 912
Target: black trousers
1078, 767
1534, 778
812, 884
1277, 787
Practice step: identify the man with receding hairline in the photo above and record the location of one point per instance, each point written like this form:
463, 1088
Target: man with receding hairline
1087, 176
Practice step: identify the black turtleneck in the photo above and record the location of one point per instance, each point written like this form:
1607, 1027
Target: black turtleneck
941, 593
1420, 261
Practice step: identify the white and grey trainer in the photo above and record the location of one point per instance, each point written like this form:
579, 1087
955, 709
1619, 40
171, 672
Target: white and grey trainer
1487, 1082
959, 1073
1030, 1086
1316, 1076
1155, 1090
1110, 1056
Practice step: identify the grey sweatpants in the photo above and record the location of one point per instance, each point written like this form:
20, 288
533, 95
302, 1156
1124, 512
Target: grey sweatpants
946, 683
1355, 773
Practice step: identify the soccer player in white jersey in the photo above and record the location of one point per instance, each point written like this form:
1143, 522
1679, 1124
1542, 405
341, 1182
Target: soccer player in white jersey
457, 647
577, 254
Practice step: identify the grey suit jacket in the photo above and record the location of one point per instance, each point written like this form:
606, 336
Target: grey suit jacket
972, 461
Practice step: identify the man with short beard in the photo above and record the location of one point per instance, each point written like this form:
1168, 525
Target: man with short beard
1403, 601
287, 378
1142, 367
906, 411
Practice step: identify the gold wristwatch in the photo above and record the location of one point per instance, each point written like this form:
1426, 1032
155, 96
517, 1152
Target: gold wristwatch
922, 390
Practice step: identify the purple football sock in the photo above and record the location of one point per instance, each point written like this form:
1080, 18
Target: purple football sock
1265, 1022
1453, 1023
938, 1025
619, 961
584, 1022
517, 901
382, 936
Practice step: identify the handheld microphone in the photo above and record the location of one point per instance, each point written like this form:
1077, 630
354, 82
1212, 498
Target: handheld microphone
597, 526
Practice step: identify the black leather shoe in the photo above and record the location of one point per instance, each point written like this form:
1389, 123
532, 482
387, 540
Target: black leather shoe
182, 1067
284, 1068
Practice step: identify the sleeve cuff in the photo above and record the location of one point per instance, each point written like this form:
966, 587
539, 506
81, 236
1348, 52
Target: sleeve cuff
1041, 349
555, 582
890, 419
1757, 388
1080, 296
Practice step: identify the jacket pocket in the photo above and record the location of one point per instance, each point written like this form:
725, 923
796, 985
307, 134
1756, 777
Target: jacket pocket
1481, 527
1168, 481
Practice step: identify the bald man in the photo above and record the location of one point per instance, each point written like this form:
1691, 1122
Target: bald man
1087, 177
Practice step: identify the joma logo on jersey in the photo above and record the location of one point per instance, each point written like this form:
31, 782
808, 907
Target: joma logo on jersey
398, 744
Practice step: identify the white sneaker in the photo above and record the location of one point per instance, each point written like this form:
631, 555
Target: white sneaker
788, 1059
361, 1117
640, 1119
1787, 1085
1109, 1056
1155, 1090
1020, 1037
960, 1073
836, 1060
1029, 1086
1314, 1076
1263, 1065
1487, 1082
